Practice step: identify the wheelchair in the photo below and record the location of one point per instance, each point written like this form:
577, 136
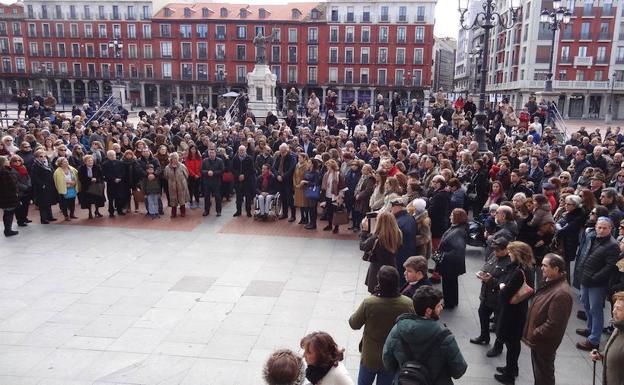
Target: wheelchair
274, 211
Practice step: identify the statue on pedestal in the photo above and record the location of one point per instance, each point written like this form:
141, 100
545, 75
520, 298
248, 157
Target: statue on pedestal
260, 43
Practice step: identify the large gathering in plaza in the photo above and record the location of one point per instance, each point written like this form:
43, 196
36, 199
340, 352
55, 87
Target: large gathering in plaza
421, 182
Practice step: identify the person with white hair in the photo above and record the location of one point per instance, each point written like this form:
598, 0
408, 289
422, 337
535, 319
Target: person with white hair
176, 175
283, 169
244, 179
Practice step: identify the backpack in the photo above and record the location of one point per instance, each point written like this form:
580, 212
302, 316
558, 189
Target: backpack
414, 372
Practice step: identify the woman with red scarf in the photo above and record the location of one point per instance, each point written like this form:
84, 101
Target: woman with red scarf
24, 190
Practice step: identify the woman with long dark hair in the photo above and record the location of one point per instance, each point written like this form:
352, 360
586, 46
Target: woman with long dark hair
378, 314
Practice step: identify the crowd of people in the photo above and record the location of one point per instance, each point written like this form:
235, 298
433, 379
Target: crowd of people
408, 181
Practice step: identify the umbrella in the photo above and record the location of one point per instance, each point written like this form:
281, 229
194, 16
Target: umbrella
230, 94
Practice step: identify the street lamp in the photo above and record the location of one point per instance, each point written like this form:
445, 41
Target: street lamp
555, 18
475, 55
609, 115
486, 20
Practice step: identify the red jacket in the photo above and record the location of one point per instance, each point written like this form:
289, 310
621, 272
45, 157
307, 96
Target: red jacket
194, 166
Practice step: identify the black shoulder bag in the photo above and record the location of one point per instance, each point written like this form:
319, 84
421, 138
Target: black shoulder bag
414, 372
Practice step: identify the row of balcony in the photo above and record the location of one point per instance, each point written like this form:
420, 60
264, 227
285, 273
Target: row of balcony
605, 36
366, 18
583, 85
89, 16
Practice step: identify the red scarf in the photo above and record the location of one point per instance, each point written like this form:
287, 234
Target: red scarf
264, 187
20, 169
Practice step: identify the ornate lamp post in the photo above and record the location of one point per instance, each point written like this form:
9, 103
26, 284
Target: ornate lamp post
487, 19
555, 18
609, 114
475, 56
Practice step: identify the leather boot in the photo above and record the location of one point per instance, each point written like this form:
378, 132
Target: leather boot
182, 211
174, 212
496, 350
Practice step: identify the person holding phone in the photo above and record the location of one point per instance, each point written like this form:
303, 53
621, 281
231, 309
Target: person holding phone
493, 271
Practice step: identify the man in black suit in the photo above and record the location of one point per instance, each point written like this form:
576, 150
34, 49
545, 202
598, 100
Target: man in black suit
211, 171
244, 179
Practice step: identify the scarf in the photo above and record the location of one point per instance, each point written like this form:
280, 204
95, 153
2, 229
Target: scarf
21, 169
44, 164
265, 182
315, 374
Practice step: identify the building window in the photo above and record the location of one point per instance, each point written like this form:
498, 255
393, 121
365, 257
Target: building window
185, 31
277, 34
382, 58
292, 74
399, 77
202, 72
220, 73
166, 71
241, 74
580, 75
20, 65
220, 32
401, 35
131, 31
147, 31
241, 53
348, 76
364, 77
292, 54
333, 75
333, 34
165, 30
417, 77
418, 55
349, 55
132, 51
147, 51
202, 50
384, 13
166, 50
220, 52
275, 53
223, 12
381, 76
315, 14
60, 31
241, 32
365, 35
277, 71
147, 13
187, 12
187, 71
130, 14
420, 34
598, 76
243, 13
402, 13
420, 13
202, 31
295, 14
333, 55
73, 30
334, 14
259, 31
313, 54
292, 35
350, 15
186, 51
400, 56
366, 15
91, 51
383, 34
262, 13
312, 75
205, 13
313, 35
350, 35
365, 55
149, 71
116, 31
103, 50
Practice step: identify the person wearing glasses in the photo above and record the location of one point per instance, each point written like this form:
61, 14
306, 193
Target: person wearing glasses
44, 191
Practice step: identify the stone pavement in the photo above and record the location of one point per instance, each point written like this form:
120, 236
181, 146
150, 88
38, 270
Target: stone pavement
82, 305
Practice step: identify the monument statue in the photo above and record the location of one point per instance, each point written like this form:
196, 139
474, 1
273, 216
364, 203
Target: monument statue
260, 43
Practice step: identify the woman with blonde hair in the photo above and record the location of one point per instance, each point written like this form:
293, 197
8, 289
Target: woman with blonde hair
376, 200
91, 180
332, 185
511, 317
299, 186
68, 186
380, 246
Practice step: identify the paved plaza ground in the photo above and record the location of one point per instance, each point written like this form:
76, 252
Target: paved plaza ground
200, 303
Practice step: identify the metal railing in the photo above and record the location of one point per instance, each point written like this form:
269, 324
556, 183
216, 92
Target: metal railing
559, 123
232, 112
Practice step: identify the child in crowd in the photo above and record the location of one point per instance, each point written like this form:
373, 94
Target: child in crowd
151, 188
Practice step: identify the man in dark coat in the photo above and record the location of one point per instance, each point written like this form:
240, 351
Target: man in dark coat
44, 191
244, 179
597, 268
114, 174
569, 229
409, 229
609, 199
283, 169
517, 186
548, 318
211, 171
415, 275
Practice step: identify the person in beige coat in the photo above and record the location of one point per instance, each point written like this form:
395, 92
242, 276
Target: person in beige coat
299, 186
176, 176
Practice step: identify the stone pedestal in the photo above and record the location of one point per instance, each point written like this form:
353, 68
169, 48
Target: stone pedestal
261, 91
549, 96
119, 92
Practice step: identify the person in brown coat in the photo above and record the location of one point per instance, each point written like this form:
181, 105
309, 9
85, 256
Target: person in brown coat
547, 319
613, 354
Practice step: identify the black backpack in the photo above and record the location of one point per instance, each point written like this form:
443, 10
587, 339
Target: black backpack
414, 372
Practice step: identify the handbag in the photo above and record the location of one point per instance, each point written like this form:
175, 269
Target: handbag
340, 217
227, 177
438, 256
138, 195
523, 293
368, 254
71, 193
312, 192
96, 189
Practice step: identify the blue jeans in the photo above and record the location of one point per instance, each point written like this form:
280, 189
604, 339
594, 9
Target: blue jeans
367, 376
593, 299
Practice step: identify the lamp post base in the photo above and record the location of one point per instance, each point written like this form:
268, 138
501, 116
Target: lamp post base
548, 86
608, 118
479, 131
